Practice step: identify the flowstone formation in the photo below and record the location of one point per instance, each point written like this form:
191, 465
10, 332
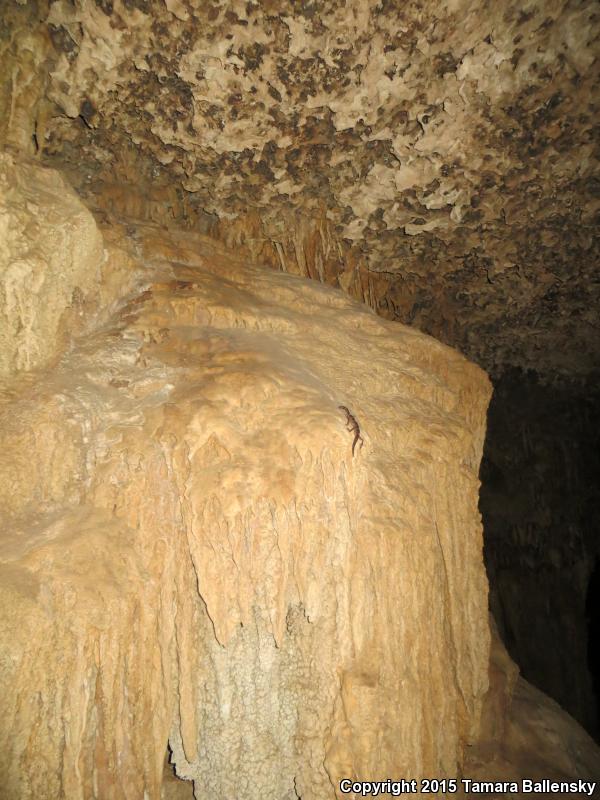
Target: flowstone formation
191, 554
191, 559
54, 268
433, 159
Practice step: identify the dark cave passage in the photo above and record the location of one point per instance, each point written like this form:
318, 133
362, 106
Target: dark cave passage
539, 503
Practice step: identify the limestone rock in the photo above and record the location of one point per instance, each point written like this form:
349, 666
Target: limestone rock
50, 258
434, 159
190, 553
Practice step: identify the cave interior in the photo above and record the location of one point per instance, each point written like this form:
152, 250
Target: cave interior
436, 162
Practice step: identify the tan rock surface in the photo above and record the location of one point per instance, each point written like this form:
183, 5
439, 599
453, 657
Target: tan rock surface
190, 552
57, 277
50, 257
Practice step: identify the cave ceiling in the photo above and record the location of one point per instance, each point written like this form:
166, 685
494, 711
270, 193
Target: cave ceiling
449, 148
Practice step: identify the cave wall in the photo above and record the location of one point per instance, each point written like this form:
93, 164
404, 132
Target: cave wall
435, 162
59, 276
539, 500
192, 553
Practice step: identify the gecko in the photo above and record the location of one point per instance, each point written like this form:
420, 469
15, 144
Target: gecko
352, 426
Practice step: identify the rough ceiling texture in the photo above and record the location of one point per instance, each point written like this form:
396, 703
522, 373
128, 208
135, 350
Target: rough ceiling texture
436, 159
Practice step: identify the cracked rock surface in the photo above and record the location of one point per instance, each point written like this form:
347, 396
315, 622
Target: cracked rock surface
436, 160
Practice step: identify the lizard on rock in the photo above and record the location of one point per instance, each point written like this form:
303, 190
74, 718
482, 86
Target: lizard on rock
352, 426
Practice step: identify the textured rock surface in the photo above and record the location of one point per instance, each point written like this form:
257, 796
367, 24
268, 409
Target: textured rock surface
190, 552
56, 275
435, 160
49, 263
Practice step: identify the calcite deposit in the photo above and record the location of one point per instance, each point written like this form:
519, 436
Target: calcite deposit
51, 251
191, 554
434, 159
202, 587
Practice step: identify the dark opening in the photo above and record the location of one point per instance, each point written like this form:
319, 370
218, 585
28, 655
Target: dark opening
539, 500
